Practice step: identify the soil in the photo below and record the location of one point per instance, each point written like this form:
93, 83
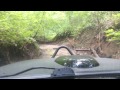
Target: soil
108, 49
49, 49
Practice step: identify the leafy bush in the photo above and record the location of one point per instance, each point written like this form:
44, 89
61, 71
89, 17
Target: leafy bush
63, 35
14, 45
113, 35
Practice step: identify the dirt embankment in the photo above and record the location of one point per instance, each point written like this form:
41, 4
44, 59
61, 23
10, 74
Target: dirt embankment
103, 49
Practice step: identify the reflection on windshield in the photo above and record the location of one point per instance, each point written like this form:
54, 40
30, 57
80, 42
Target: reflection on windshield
77, 61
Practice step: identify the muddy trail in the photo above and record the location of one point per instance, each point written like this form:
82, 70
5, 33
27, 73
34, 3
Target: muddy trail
49, 49
107, 50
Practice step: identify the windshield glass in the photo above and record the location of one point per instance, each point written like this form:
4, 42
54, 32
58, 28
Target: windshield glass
86, 40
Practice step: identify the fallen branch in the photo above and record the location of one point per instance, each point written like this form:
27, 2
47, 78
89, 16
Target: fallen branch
94, 52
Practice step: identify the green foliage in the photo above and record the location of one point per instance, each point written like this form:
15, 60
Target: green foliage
23, 28
63, 35
113, 35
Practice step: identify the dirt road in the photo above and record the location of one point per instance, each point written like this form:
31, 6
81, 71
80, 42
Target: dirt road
49, 49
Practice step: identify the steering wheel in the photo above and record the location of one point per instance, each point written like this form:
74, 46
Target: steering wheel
53, 56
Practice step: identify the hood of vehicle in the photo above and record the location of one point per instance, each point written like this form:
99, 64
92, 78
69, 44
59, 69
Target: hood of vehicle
23, 65
106, 65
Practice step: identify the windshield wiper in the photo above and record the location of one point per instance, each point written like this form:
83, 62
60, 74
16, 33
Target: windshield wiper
57, 72
26, 71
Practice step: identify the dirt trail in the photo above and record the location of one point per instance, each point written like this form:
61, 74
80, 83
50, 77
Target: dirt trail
49, 49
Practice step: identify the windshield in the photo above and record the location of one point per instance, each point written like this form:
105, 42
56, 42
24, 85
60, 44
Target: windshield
87, 41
